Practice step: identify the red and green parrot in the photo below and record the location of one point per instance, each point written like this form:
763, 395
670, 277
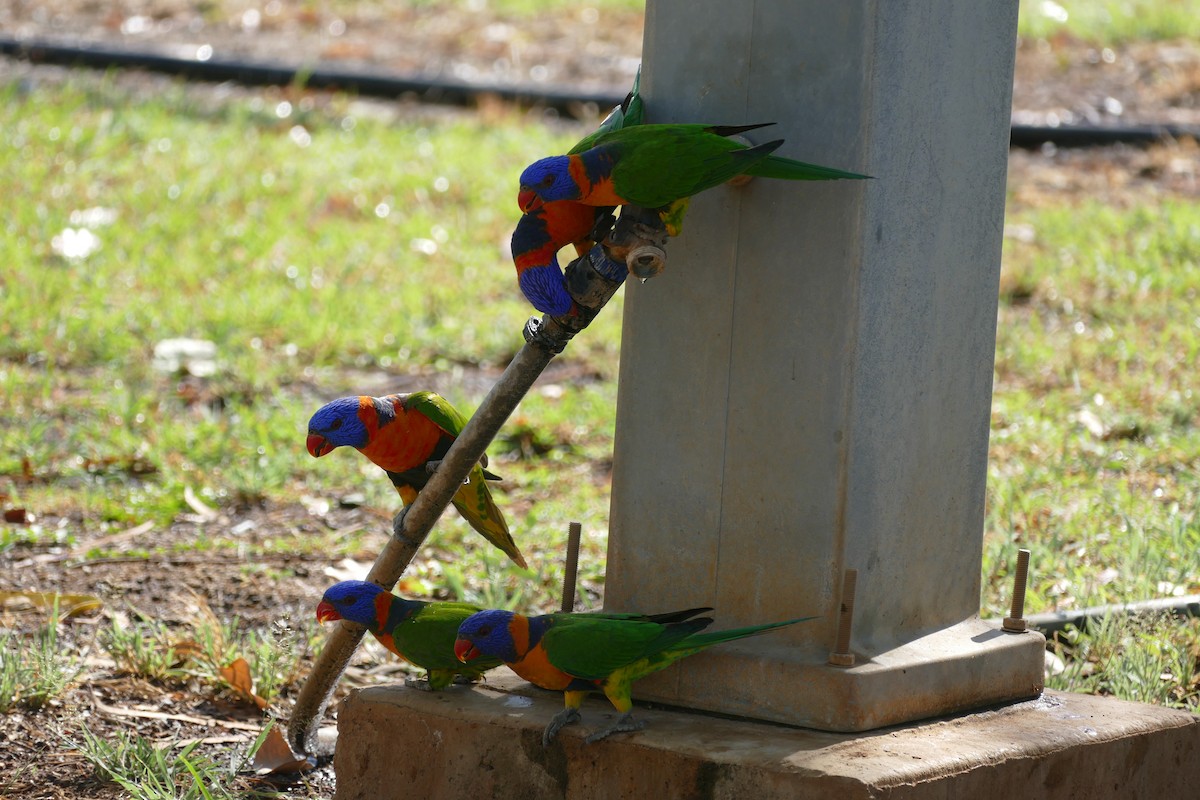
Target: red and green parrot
659, 167
543, 231
580, 653
421, 633
406, 435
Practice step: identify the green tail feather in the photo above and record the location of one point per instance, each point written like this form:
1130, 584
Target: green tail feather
699, 641
790, 169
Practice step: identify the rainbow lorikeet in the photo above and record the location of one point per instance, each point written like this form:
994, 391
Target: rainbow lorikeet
578, 653
543, 231
538, 237
406, 435
659, 167
421, 633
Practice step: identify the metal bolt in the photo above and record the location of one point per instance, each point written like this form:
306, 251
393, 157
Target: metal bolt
571, 569
1015, 621
841, 655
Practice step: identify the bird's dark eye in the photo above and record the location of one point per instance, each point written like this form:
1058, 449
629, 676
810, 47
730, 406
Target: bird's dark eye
350, 600
333, 426
548, 181
485, 630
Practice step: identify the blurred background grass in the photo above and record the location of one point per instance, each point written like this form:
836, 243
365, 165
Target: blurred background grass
330, 246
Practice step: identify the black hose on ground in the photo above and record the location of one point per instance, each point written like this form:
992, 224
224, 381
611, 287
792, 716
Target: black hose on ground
439, 90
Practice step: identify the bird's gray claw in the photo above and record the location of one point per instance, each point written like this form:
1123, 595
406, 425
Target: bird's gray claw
626, 724
420, 684
398, 524
562, 719
432, 466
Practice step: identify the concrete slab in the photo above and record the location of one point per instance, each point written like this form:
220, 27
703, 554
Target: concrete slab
396, 742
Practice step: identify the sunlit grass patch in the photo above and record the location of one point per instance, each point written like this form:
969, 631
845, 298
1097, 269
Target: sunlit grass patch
35, 669
1110, 21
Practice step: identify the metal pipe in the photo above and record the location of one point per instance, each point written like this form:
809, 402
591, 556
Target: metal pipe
564, 99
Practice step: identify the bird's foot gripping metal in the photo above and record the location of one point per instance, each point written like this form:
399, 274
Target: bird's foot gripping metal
568, 716
626, 724
639, 239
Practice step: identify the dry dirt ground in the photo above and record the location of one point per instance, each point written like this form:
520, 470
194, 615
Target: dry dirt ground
1062, 80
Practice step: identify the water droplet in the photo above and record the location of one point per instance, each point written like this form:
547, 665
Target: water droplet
204, 52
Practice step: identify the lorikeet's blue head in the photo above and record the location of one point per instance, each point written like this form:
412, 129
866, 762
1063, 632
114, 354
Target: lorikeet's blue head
336, 424
486, 633
352, 600
545, 181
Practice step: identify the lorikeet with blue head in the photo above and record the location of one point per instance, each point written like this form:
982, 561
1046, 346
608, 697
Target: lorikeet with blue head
406, 435
579, 653
543, 231
659, 167
422, 633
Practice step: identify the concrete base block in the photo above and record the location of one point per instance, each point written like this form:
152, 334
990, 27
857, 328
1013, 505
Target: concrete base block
969, 665
396, 742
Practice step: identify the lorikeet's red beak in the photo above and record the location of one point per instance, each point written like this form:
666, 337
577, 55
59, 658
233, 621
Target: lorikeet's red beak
326, 612
465, 650
528, 200
318, 445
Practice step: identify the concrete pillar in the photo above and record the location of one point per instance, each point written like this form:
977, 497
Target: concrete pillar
807, 386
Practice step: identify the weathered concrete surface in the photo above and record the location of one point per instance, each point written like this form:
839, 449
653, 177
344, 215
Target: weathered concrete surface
482, 742
806, 388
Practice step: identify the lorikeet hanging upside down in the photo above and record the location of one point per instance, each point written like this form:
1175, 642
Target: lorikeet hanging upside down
581, 653
542, 232
659, 167
406, 435
421, 633
538, 237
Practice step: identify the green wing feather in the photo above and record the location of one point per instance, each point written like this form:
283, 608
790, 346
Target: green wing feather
438, 410
594, 648
657, 164
426, 634
473, 500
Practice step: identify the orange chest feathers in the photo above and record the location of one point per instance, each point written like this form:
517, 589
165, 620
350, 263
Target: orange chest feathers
402, 443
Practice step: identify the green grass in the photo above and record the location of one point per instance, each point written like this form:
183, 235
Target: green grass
1095, 455
35, 669
230, 224
228, 230
1111, 21
149, 770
